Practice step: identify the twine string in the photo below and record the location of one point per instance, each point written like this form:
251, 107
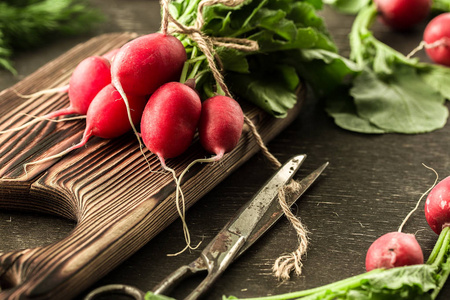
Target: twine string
289, 262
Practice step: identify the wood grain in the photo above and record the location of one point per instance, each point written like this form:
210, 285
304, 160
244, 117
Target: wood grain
118, 201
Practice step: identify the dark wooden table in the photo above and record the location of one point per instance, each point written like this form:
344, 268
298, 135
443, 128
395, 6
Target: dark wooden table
372, 182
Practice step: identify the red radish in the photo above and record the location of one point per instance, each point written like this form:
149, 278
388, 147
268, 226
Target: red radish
437, 206
394, 249
220, 128
403, 14
170, 120
221, 124
89, 77
107, 115
168, 126
437, 34
107, 118
144, 64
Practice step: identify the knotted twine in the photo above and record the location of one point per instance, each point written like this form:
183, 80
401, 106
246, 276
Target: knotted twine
289, 262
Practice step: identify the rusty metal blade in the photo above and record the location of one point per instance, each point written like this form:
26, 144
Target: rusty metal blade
275, 212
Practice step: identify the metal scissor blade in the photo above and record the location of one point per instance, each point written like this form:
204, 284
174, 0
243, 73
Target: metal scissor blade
275, 211
251, 213
246, 220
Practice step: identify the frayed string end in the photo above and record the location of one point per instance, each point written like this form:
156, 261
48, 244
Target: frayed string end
290, 262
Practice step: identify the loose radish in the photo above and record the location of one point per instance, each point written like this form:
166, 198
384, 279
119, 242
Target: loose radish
437, 206
437, 34
394, 249
170, 120
403, 14
106, 117
89, 77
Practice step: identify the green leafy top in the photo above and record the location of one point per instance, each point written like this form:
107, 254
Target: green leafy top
266, 77
388, 92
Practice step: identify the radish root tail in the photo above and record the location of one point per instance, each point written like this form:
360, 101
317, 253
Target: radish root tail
37, 119
420, 199
441, 42
181, 208
61, 89
83, 142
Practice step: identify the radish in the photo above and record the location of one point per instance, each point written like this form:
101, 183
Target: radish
437, 39
394, 249
106, 117
89, 77
144, 64
403, 14
168, 125
221, 124
437, 206
170, 120
220, 129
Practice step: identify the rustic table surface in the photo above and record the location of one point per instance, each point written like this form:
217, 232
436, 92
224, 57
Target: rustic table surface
372, 182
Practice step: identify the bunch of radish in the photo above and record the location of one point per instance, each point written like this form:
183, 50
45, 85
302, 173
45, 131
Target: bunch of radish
396, 249
141, 88
141, 82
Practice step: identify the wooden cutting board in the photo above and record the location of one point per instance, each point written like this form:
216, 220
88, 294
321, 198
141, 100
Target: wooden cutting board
107, 187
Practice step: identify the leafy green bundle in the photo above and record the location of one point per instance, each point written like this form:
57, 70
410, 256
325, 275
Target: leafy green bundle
383, 90
267, 77
28, 23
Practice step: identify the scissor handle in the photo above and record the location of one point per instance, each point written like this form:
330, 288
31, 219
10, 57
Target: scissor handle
116, 289
217, 262
177, 276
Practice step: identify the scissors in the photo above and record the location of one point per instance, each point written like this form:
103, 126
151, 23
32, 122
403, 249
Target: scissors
250, 223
